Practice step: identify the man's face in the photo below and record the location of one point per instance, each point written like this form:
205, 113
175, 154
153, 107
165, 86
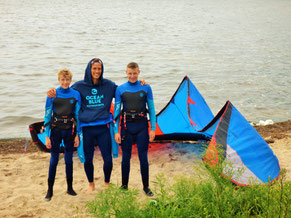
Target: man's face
96, 70
132, 74
64, 82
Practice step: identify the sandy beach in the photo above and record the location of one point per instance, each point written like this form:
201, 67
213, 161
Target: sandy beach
23, 179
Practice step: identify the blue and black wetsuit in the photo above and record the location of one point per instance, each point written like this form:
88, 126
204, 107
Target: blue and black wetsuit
60, 114
94, 118
134, 125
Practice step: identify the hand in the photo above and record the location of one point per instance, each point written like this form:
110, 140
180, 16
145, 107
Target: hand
152, 135
48, 143
117, 138
143, 82
77, 141
51, 93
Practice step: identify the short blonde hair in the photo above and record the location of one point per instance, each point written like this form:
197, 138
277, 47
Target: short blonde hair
65, 73
132, 65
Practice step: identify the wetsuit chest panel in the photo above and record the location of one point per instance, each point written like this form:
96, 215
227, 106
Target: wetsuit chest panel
134, 101
64, 106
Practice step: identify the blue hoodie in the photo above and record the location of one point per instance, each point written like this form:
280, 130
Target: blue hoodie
96, 98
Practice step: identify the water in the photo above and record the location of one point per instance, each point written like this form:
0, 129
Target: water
232, 50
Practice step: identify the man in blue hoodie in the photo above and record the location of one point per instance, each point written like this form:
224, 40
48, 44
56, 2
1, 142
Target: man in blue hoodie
96, 94
96, 98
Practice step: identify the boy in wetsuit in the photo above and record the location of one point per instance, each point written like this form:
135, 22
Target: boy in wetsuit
134, 124
61, 113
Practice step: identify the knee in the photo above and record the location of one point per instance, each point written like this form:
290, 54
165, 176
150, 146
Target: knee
89, 156
69, 161
69, 157
108, 160
143, 157
126, 156
54, 158
54, 163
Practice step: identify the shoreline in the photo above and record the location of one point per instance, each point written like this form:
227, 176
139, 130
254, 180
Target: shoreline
270, 133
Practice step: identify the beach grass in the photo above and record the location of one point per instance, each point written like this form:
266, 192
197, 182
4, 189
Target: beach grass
215, 196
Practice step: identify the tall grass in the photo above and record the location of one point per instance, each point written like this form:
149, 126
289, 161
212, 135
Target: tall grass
187, 198
215, 196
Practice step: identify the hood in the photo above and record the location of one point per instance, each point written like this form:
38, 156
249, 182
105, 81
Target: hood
87, 76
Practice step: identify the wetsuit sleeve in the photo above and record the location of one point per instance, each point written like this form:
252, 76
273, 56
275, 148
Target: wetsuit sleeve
48, 115
77, 109
117, 108
151, 108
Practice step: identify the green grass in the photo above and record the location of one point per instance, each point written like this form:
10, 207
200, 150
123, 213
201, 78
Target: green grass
189, 198
213, 196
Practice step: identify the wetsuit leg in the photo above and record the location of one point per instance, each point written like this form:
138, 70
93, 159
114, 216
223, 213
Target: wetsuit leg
88, 142
56, 140
69, 148
142, 142
104, 143
126, 147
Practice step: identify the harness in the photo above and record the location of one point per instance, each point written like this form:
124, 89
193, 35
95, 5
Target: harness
63, 114
61, 122
132, 116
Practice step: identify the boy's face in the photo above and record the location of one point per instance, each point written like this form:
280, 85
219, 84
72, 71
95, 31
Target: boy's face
96, 70
132, 74
65, 82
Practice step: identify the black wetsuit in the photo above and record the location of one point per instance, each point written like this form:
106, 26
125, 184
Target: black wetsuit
65, 104
134, 128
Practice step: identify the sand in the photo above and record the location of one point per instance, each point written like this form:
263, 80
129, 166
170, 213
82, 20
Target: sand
23, 178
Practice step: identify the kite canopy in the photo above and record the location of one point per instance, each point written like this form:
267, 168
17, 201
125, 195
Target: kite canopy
247, 157
184, 115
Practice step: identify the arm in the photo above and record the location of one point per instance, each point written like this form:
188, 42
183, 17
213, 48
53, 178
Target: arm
117, 109
152, 119
152, 113
77, 109
47, 119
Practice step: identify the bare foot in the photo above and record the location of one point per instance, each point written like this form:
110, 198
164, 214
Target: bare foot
106, 184
91, 187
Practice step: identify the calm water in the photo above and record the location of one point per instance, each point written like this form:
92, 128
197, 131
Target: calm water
237, 50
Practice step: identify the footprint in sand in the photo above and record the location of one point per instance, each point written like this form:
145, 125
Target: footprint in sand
97, 178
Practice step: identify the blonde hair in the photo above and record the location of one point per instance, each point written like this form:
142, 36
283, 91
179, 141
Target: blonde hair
65, 73
132, 65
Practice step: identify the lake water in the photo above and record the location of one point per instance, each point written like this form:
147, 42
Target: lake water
237, 50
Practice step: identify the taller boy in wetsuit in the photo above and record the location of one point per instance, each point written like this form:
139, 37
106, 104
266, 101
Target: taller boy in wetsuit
134, 124
61, 112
